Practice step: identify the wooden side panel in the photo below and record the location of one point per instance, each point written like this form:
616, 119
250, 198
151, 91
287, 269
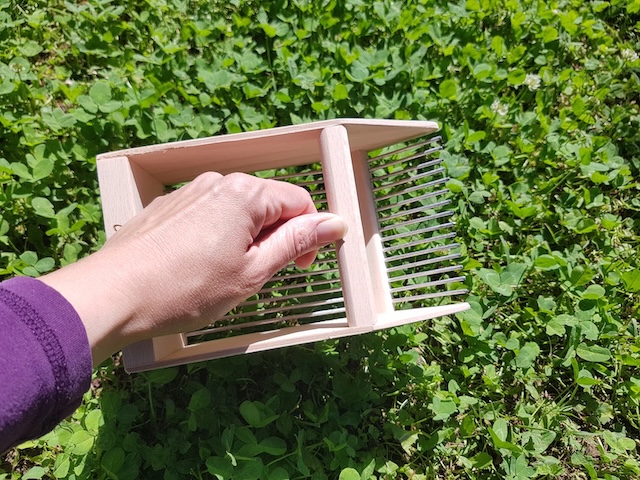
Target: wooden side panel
264, 149
120, 197
148, 186
342, 197
258, 342
371, 231
126, 189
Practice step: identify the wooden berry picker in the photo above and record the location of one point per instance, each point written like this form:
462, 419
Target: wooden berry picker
396, 265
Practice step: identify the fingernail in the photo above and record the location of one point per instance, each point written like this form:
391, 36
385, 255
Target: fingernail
330, 230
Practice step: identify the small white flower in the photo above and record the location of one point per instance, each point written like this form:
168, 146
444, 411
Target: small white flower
629, 55
68, 82
532, 81
499, 107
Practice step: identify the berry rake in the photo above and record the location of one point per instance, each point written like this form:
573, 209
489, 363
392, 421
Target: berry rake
396, 265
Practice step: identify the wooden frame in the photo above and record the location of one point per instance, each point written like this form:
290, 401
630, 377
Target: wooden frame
131, 179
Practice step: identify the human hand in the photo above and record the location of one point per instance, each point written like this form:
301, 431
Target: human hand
191, 256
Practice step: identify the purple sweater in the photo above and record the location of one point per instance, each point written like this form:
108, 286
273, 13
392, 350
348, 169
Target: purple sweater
45, 360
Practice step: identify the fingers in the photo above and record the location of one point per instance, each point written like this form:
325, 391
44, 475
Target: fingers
289, 201
257, 203
286, 226
297, 240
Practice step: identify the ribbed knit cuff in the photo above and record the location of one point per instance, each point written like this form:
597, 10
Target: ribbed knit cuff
59, 358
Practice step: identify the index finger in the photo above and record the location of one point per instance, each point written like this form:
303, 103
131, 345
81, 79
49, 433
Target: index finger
284, 201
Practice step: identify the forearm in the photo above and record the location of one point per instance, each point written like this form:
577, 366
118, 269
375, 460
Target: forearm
45, 361
97, 293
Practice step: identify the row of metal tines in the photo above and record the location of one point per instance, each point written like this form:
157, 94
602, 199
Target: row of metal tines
416, 230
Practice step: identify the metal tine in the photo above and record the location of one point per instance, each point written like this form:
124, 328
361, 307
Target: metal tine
423, 186
284, 277
310, 173
321, 260
330, 266
424, 296
328, 301
316, 181
419, 253
316, 313
409, 147
419, 242
270, 321
428, 273
308, 277
320, 194
306, 184
411, 178
226, 328
408, 158
433, 228
420, 166
422, 263
285, 298
404, 181
299, 285
322, 256
435, 283
403, 213
427, 218
409, 168
319, 181
326, 250
411, 200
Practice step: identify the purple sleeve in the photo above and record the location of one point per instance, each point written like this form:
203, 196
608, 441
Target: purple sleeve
45, 360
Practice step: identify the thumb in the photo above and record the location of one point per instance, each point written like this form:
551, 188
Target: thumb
298, 239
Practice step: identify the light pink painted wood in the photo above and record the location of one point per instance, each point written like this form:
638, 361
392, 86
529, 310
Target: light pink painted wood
381, 291
149, 187
131, 179
286, 337
264, 149
124, 194
342, 196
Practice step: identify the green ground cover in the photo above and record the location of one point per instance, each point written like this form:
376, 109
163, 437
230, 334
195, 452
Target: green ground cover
539, 107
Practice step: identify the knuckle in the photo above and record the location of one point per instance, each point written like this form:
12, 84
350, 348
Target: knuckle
240, 182
207, 179
246, 189
301, 242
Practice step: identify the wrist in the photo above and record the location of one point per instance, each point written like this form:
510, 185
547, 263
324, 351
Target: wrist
100, 299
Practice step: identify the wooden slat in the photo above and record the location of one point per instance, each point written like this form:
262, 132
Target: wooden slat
130, 179
264, 149
359, 295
